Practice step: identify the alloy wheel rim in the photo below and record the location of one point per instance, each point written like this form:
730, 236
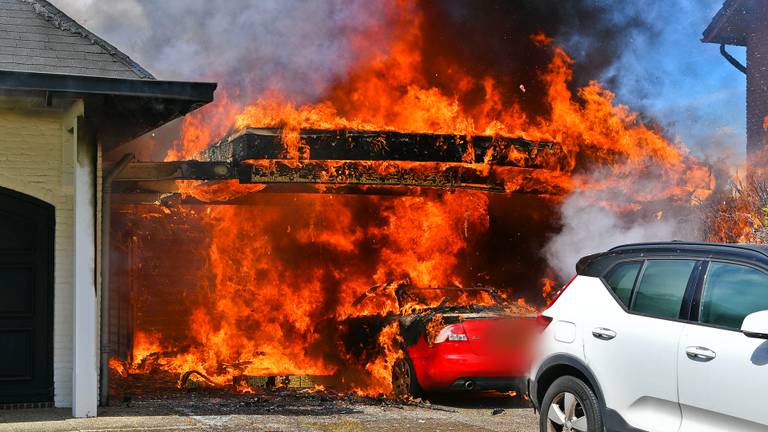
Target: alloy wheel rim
402, 381
566, 414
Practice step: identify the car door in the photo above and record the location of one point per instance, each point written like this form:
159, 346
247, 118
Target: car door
723, 374
631, 344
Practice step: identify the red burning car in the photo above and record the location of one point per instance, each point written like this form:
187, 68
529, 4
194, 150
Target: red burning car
471, 340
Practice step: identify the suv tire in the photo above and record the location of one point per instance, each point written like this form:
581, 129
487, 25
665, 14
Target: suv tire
570, 405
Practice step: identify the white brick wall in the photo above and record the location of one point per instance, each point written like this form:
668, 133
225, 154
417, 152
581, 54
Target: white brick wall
36, 158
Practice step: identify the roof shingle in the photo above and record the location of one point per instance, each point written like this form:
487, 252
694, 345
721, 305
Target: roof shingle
35, 36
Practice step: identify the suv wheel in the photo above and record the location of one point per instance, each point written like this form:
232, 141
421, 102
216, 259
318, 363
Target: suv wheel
404, 383
570, 405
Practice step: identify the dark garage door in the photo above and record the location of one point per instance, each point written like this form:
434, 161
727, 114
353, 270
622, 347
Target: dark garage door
26, 298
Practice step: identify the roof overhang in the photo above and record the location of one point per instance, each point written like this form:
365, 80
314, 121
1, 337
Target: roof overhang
120, 109
200, 92
733, 23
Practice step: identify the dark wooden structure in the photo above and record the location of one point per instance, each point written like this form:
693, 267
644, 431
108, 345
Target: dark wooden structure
745, 23
341, 161
346, 145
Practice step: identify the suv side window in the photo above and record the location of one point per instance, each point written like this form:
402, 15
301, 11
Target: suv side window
731, 292
662, 287
621, 279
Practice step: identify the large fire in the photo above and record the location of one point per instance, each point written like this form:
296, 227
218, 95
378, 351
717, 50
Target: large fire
275, 279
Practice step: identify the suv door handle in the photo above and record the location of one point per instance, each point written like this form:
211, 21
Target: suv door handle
603, 333
700, 353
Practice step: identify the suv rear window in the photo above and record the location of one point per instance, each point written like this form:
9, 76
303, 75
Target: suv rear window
731, 292
662, 287
621, 279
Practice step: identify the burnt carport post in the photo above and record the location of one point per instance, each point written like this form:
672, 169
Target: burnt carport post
106, 217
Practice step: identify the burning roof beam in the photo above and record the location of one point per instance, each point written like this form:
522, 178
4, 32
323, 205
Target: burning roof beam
371, 173
344, 145
341, 161
176, 170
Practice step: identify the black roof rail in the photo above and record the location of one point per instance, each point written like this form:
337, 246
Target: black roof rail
759, 249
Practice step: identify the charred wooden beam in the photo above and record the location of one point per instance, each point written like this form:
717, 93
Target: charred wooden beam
381, 173
343, 161
386, 146
176, 170
137, 195
288, 178
423, 174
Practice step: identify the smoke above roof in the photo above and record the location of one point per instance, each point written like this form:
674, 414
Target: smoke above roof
295, 47
300, 48
648, 53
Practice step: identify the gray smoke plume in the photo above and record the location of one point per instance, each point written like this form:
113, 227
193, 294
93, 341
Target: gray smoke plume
292, 46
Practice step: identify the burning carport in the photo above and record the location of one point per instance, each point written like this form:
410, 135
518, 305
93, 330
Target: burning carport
268, 229
242, 254
66, 98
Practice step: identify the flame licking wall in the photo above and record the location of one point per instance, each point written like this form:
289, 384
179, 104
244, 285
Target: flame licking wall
266, 288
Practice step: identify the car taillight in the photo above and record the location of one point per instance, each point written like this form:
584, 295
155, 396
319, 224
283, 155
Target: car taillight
451, 333
560, 292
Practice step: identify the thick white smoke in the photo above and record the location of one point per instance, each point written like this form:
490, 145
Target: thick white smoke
589, 228
610, 209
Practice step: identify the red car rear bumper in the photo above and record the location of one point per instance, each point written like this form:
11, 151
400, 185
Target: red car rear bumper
452, 365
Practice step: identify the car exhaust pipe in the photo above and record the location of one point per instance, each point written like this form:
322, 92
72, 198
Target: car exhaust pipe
469, 385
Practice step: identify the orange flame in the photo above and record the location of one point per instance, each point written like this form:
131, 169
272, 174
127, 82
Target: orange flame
260, 310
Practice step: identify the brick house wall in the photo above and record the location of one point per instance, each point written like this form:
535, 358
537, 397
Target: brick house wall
37, 151
757, 85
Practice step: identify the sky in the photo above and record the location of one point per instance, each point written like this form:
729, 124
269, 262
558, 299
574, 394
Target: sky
666, 72
684, 83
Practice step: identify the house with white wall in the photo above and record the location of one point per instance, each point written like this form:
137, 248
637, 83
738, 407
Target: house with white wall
66, 98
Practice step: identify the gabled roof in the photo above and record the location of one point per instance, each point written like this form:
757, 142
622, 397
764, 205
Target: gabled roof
734, 22
35, 36
44, 52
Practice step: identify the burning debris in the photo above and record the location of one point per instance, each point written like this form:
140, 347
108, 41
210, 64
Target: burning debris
420, 314
740, 212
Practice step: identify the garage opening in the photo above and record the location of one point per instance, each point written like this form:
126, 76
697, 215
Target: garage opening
26, 290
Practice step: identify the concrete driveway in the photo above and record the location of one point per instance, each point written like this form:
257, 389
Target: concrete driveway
285, 412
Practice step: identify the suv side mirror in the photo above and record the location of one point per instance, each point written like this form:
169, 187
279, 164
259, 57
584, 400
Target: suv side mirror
755, 325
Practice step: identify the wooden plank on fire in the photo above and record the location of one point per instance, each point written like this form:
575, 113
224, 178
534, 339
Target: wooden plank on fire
382, 173
334, 177
352, 145
358, 162
176, 170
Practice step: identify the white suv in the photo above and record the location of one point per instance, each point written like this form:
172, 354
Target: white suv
657, 337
